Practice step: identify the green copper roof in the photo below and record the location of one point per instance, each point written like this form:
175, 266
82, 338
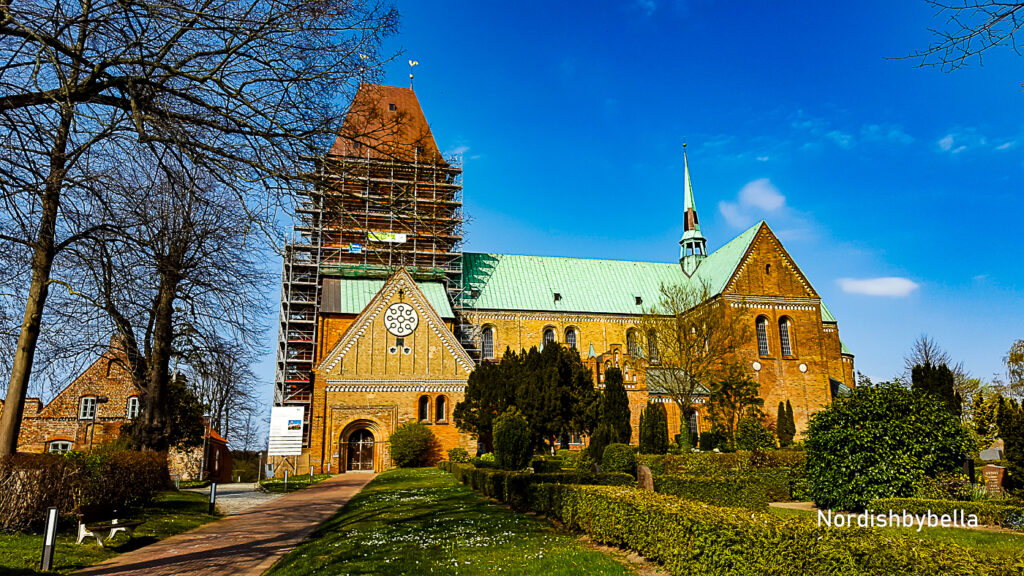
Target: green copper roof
351, 295
688, 202
826, 314
512, 282
842, 345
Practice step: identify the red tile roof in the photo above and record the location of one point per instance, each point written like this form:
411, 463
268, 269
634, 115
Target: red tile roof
386, 122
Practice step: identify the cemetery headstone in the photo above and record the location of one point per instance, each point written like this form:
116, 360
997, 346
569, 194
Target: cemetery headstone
994, 476
644, 479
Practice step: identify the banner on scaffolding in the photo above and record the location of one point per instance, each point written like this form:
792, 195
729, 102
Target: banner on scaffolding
386, 237
285, 431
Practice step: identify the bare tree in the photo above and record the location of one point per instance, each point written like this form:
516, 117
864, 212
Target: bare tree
223, 380
972, 27
243, 90
925, 350
691, 338
180, 277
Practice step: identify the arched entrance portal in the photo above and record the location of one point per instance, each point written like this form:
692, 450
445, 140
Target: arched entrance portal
360, 450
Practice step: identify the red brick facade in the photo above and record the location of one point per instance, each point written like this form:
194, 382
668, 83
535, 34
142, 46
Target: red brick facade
62, 419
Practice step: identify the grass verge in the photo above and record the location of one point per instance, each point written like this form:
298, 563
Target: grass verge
422, 521
995, 542
277, 485
171, 513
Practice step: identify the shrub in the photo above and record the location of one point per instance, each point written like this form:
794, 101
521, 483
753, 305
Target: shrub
513, 444
988, 512
413, 444
120, 479
615, 407
752, 435
944, 486
734, 491
619, 458
712, 439
877, 443
542, 466
694, 538
458, 455
653, 429
599, 440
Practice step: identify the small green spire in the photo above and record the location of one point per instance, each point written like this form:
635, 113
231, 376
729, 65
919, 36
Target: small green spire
693, 245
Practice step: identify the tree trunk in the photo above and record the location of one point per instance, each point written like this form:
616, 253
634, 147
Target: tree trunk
156, 426
42, 263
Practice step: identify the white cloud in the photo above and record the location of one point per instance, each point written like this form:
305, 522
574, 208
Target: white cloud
1007, 145
754, 200
890, 286
842, 139
763, 158
885, 132
460, 149
946, 142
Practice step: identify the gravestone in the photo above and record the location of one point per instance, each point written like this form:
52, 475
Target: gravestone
991, 454
644, 480
993, 476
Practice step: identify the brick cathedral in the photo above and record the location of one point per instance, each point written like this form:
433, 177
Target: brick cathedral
383, 316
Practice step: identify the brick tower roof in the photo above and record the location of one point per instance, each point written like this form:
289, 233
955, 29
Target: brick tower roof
386, 122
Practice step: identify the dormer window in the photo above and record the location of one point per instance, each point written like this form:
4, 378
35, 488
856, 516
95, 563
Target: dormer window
557, 296
392, 107
639, 300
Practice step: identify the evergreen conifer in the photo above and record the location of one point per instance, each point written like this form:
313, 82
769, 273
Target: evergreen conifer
616, 411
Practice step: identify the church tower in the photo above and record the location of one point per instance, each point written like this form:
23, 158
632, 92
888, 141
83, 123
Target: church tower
693, 245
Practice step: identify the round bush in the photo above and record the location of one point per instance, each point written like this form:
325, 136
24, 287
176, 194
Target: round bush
752, 435
619, 458
413, 444
458, 455
877, 444
513, 446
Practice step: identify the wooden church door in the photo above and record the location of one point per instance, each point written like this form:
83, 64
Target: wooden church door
360, 450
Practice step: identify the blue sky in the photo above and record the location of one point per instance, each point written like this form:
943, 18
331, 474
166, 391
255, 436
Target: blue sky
893, 187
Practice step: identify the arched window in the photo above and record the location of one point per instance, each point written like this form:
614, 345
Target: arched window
549, 336
441, 409
762, 335
616, 357
87, 408
424, 409
570, 338
132, 410
784, 339
632, 343
652, 346
625, 371
487, 342
694, 428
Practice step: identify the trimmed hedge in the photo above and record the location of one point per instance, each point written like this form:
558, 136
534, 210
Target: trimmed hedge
30, 483
514, 488
782, 473
695, 538
989, 512
734, 491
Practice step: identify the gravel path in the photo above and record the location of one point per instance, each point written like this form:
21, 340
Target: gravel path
237, 498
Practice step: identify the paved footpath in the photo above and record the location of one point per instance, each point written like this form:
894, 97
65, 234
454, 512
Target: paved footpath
243, 544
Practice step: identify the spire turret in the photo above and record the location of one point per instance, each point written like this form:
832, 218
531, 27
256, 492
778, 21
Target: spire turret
693, 245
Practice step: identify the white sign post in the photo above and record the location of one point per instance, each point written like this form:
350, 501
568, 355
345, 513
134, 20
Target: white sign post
285, 431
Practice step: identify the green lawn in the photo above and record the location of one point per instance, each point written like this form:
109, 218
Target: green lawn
297, 482
422, 521
171, 513
986, 541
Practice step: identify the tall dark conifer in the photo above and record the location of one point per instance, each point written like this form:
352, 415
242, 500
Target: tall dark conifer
616, 407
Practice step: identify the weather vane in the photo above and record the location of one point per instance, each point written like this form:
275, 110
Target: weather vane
412, 63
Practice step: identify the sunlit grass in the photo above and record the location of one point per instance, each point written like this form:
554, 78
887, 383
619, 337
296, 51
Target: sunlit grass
172, 513
423, 522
